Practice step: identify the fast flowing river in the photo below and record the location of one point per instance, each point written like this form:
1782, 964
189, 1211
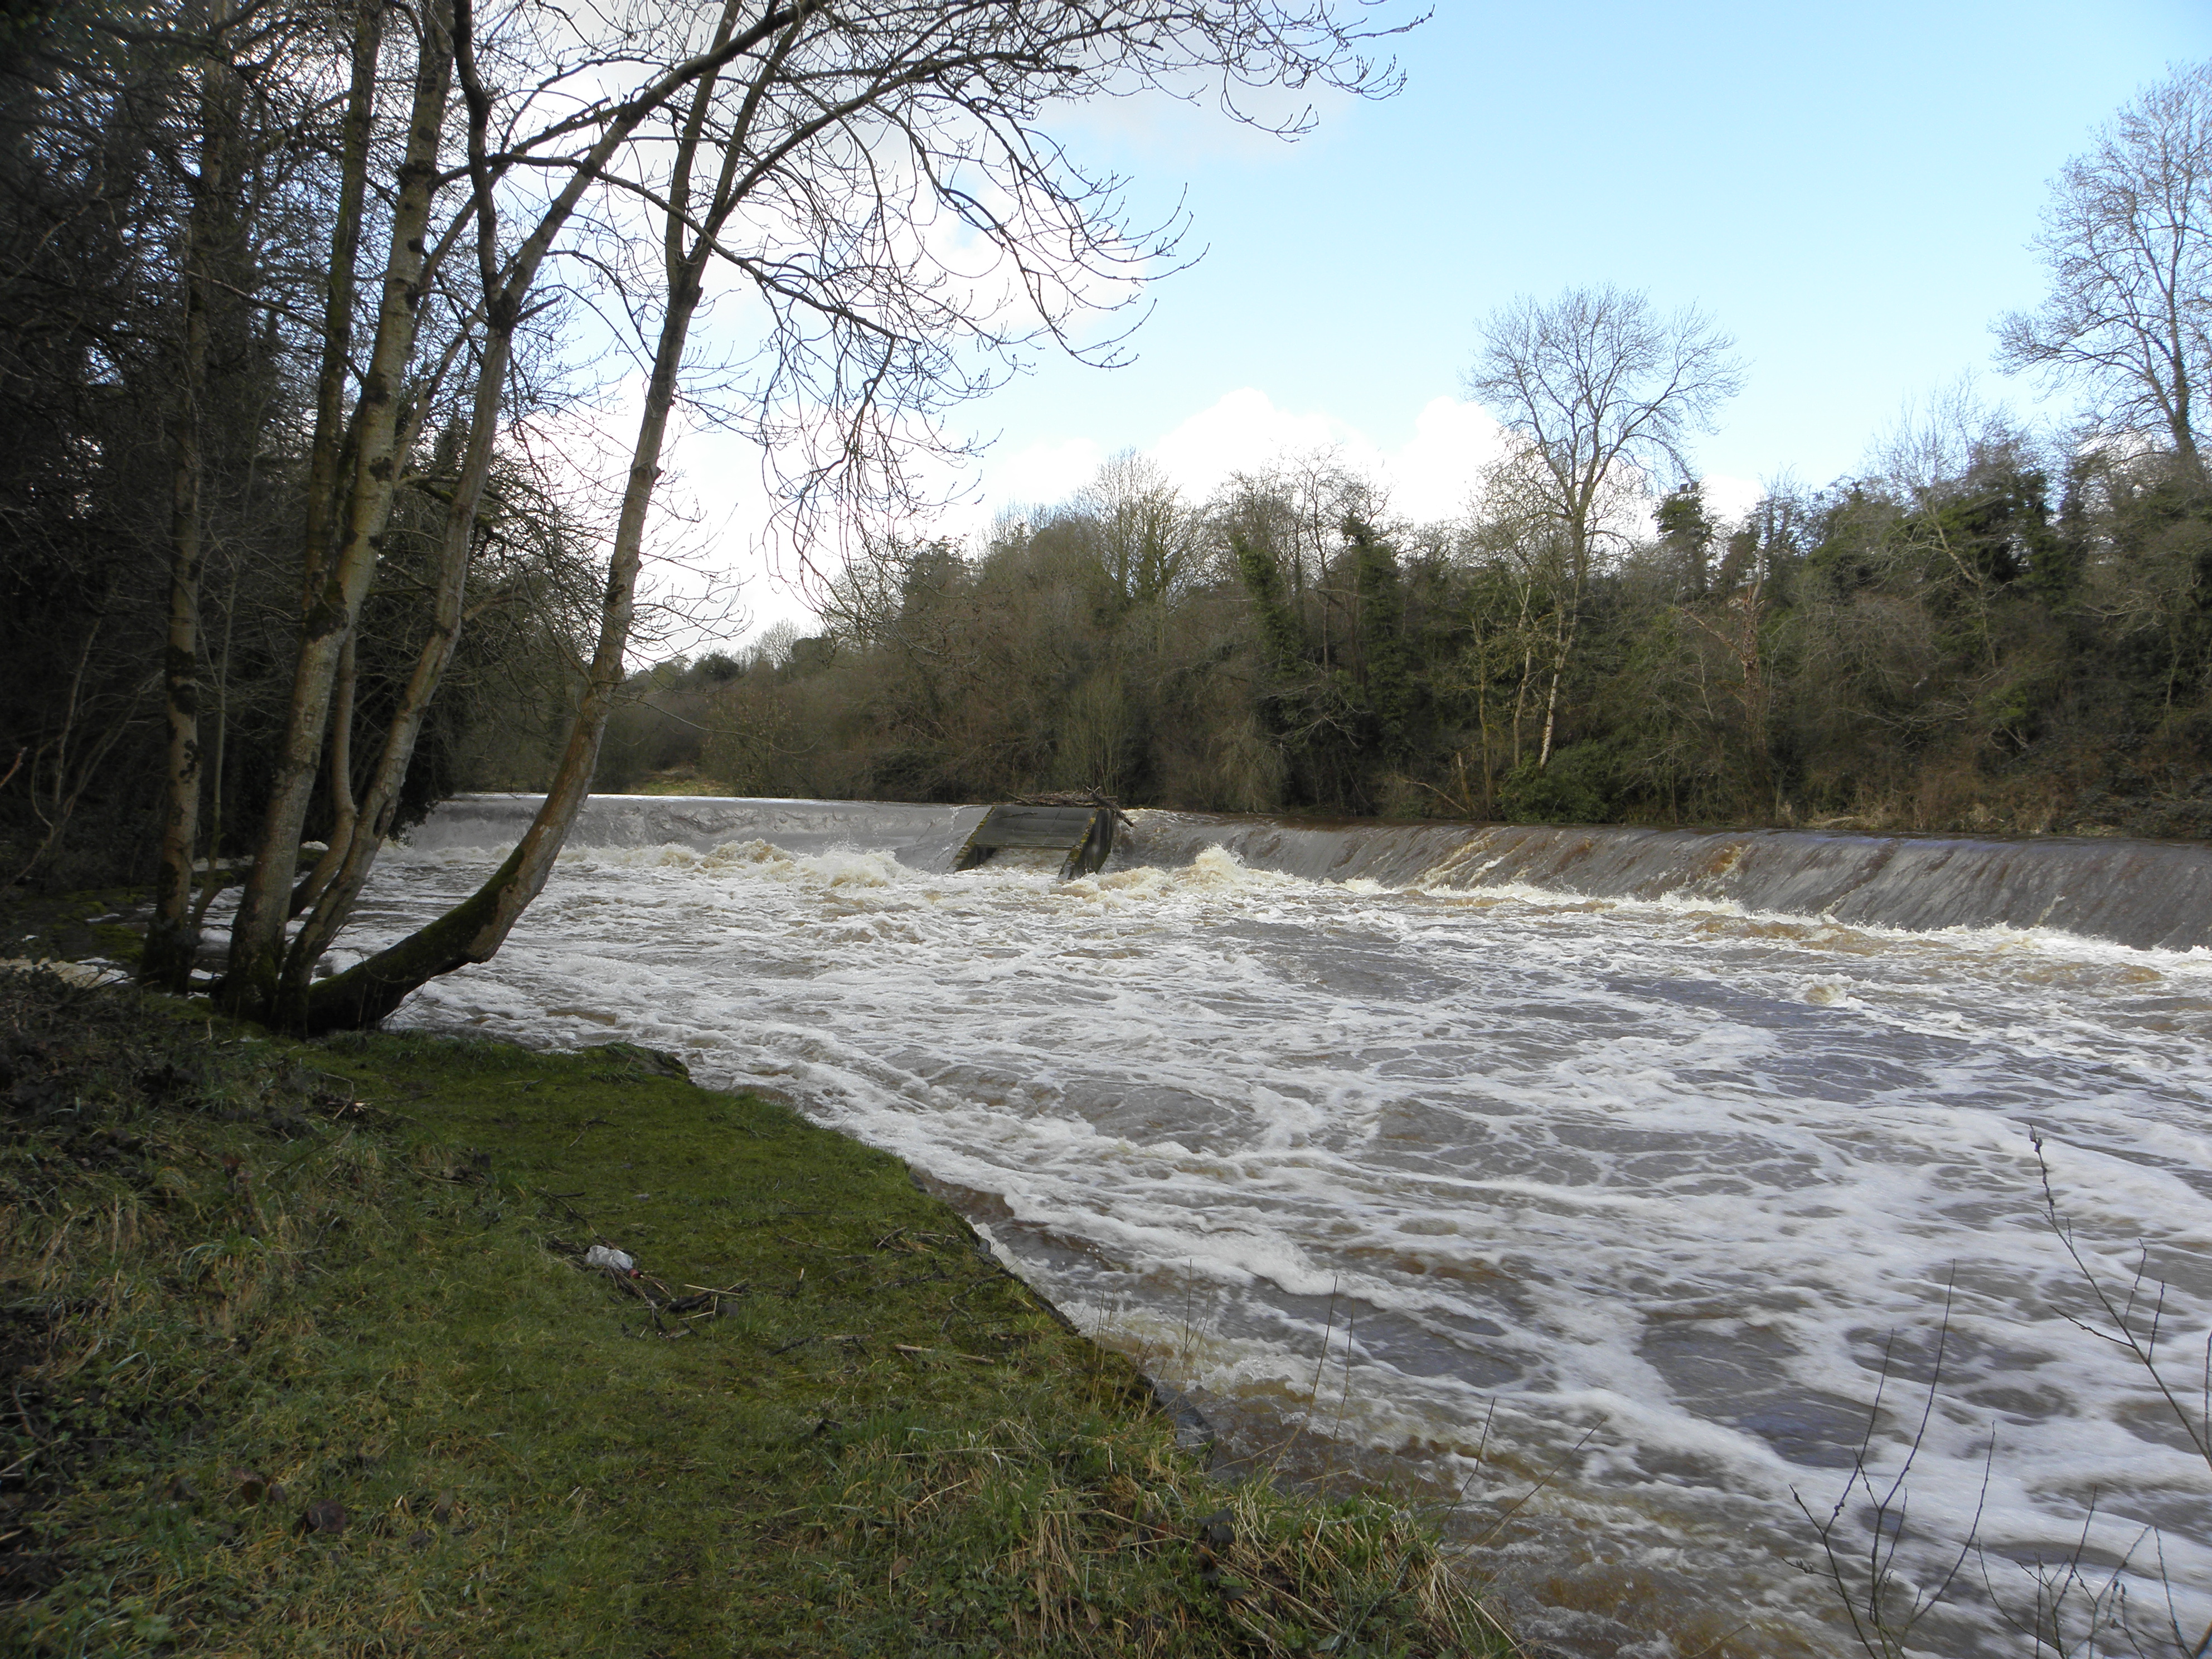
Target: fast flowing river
1603, 1218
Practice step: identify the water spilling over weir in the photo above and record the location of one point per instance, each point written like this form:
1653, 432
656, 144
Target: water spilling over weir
2147, 894
1620, 1161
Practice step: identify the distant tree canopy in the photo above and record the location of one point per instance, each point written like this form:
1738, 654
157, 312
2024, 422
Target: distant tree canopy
1958, 640
1986, 628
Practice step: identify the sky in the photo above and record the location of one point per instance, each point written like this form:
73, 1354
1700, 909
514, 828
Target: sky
1849, 191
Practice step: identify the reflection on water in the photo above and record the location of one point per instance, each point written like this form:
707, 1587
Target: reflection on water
1628, 1203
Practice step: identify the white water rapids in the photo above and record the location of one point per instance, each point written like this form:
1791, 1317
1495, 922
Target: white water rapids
1637, 1194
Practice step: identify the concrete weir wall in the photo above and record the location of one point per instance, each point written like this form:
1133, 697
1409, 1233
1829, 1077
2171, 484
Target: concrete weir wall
2141, 893
2150, 894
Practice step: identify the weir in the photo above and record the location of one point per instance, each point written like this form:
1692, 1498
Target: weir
2145, 894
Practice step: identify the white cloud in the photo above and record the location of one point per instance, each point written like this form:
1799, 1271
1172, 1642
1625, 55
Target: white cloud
1040, 475
1728, 497
1428, 477
1243, 432
1434, 474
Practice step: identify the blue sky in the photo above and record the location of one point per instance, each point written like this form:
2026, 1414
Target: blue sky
1849, 190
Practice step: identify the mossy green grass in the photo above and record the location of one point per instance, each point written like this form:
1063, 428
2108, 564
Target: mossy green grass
305, 1358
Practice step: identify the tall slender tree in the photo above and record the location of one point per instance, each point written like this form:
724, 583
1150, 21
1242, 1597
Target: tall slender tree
207, 257
2127, 238
1601, 393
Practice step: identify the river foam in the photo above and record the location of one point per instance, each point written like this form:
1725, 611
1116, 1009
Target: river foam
1630, 1199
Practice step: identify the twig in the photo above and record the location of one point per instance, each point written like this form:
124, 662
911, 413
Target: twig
1515, 1507
908, 1347
2123, 1335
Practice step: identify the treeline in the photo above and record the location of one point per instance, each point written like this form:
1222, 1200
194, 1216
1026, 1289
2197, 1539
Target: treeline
280, 326
1974, 645
1990, 628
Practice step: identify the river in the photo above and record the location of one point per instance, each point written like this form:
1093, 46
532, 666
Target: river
1499, 1167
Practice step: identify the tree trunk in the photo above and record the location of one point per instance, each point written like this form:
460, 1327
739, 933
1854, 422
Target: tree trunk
344, 812
333, 446
362, 836
172, 942
474, 930
172, 936
1564, 639
1569, 625
257, 936
325, 452
365, 993
213, 885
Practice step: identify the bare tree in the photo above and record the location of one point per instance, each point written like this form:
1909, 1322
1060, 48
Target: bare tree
1602, 394
1293, 511
1517, 550
1148, 542
434, 208
814, 154
2128, 241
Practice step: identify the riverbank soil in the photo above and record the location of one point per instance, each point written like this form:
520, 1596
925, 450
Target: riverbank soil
302, 1354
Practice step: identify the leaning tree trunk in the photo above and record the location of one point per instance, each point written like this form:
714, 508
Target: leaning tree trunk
257, 939
474, 930
1563, 642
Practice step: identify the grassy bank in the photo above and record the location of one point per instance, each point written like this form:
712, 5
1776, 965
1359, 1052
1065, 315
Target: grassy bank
303, 1357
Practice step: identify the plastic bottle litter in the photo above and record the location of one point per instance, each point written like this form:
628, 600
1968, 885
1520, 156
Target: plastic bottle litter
600, 1255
